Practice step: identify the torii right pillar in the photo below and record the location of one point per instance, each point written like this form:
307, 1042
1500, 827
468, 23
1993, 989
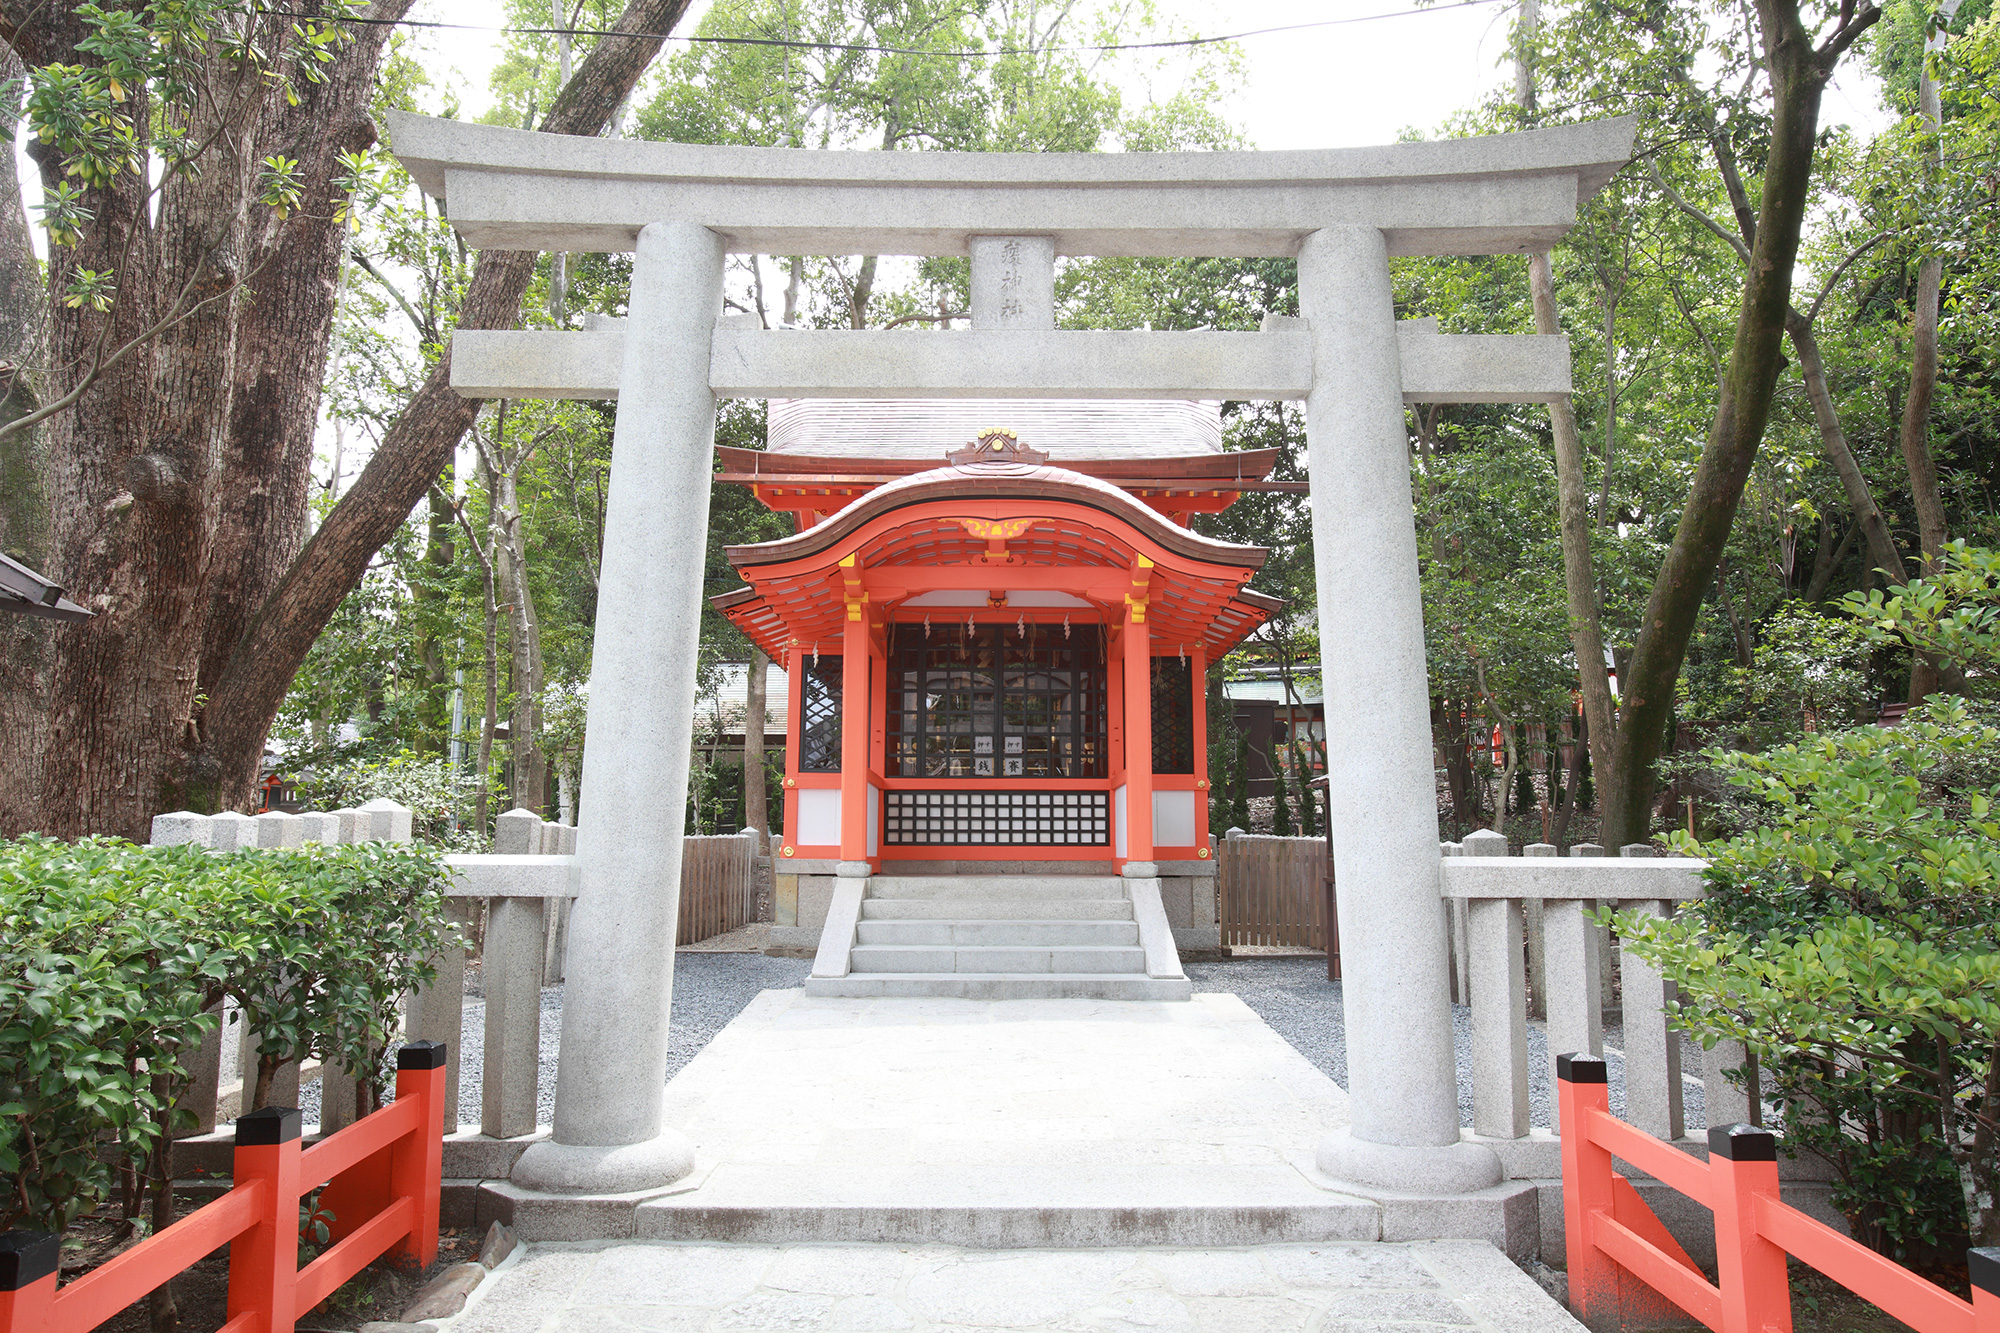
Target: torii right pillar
1381, 794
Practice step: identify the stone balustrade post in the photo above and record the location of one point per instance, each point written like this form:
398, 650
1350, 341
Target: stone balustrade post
512, 969
181, 828
1726, 1102
321, 828
230, 831
1499, 1006
1653, 1094
279, 831
1532, 910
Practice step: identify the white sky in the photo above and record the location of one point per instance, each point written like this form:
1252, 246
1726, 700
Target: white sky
1328, 87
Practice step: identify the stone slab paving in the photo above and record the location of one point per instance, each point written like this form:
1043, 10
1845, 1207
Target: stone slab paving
1424, 1287
942, 1119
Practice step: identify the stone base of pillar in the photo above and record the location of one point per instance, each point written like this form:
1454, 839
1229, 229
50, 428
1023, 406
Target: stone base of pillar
1141, 870
1452, 1168
568, 1168
853, 869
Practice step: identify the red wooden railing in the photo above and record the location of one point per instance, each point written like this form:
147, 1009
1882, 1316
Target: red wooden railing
382, 1178
1624, 1268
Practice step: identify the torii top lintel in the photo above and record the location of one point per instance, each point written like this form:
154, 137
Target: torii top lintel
1494, 194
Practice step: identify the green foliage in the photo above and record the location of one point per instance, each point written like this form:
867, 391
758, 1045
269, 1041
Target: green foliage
1808, 673
105, 963
146, 89
434, 793
1851, 940
1281, 810
110, 956
1954, 615
334, 937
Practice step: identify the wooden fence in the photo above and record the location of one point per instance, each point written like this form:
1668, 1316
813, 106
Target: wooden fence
1273, 891
718, 885
382, 1177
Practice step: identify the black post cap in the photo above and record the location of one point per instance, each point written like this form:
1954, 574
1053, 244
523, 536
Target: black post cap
26, 1257
1579, 1068
273, 1124
420, 1055
1742, 1143
1985, 1266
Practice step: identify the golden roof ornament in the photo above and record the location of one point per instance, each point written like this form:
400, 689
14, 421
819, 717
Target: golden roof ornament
997, 444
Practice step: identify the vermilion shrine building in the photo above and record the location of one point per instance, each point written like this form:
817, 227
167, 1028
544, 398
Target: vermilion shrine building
996, 651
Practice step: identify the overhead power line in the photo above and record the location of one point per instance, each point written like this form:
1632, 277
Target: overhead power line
867, 48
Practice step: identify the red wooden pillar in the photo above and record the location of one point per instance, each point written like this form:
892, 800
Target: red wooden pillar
264, 1261
416, 1163
1198, 701
28, 1262
1750, 1270
1582, 1086
1138, 672
854, 729
795, 671
1985, 1269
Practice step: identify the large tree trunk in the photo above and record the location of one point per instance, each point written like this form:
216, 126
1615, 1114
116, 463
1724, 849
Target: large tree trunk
524, 633
413, 451
26, 642
1833, 438
178, 475
1586, 626
1798, 76
1925, 676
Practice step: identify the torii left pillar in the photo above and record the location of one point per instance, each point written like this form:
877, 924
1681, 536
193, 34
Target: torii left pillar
609, 1137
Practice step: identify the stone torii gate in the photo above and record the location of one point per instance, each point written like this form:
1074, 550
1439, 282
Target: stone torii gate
1342, 213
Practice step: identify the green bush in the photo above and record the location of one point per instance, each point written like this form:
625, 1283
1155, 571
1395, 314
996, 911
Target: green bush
435, 793
112, 955
1851, 940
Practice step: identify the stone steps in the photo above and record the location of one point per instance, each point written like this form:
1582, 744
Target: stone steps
1001, 986
1066, 958
996, 909
1003, 933
972, 888
992, 937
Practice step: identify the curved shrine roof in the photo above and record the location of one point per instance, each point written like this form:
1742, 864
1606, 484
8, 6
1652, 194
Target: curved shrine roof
1007, 480
1077, 542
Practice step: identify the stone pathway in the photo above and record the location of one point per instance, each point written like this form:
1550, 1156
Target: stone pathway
1425, 1287
712, 986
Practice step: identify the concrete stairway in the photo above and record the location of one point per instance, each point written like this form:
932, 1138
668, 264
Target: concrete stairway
1000, 937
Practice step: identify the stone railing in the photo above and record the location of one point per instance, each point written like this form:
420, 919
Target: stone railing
1520, 931
526, 885
209, 1098
521, 891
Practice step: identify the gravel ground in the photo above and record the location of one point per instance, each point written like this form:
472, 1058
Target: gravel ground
709, 990
1302, 1006
1291, 994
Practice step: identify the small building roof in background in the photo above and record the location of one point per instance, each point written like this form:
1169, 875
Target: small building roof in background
24, 591
1266, 684
931, 428
732, 697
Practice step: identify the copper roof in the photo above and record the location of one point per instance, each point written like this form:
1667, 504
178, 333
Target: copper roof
1070, 429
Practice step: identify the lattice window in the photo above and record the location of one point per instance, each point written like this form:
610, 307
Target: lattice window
819, 722
998, 702
998, 818
1173, 715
